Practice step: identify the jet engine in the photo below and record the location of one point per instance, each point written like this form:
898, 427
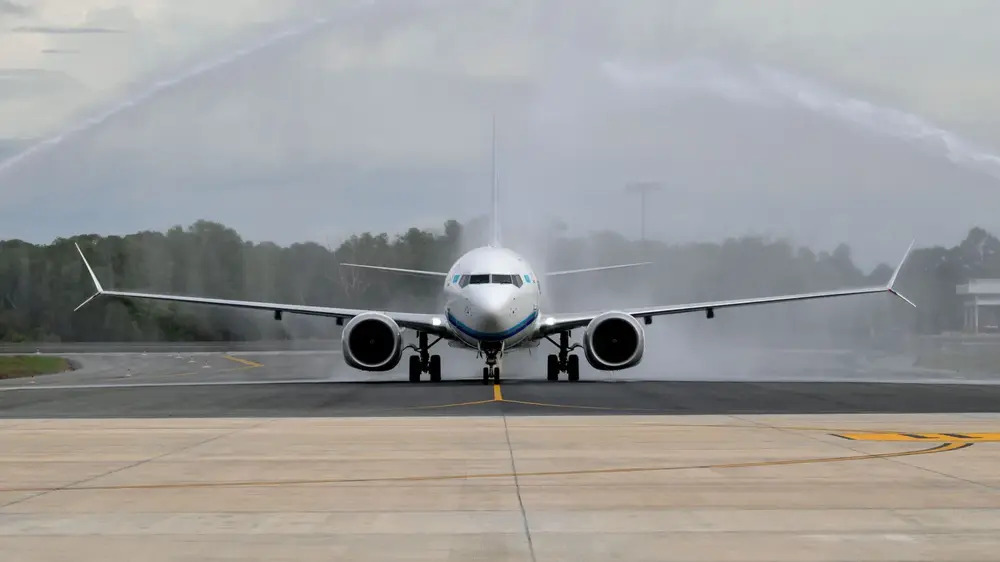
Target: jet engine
372, 342
613, 341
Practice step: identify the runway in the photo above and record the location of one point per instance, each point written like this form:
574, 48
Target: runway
315, 383
331, 399
209, 455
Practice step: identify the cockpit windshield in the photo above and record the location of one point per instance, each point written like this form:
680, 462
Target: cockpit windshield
491, 278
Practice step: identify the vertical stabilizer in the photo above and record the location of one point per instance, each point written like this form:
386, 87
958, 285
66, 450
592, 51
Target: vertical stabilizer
495, 222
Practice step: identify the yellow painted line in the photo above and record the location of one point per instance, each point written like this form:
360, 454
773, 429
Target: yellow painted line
497, 395
443, 477
954, 437
573, 406
435, 406
246, 362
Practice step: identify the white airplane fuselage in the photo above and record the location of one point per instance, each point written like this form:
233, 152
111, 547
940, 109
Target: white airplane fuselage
492, 296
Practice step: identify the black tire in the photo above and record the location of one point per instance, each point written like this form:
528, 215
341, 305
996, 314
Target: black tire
573, 368
496, 375
553, 368
486, 375
435, 368
415, 368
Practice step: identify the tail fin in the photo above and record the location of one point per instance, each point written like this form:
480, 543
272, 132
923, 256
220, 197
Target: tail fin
495, 226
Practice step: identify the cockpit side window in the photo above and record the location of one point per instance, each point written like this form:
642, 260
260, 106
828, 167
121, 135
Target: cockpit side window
518, 280
463, 281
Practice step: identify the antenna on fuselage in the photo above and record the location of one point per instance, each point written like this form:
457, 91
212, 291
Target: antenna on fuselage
495, 226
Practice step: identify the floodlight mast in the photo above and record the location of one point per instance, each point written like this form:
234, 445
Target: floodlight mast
643, 188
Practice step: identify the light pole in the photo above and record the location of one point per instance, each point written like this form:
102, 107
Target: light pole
642, 188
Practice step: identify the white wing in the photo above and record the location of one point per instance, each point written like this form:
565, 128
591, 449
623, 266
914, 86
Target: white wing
421, 272
562, 322
430, 323
595, 269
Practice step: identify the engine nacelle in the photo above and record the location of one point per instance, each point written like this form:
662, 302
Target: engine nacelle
613, 341
372, 342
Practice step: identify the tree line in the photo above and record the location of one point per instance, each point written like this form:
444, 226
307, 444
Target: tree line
41, 284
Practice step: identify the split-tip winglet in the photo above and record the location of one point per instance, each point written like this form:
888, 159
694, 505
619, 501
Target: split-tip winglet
891, 286
93, 276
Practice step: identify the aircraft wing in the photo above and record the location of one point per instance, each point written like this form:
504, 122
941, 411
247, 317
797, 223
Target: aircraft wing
593, 269
430, 323
422, 272
562, 322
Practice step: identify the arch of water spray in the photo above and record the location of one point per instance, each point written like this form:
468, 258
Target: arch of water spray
761, 84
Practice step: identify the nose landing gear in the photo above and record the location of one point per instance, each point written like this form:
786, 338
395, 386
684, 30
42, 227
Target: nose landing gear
424, 362
563, 362
492, 368
491, 373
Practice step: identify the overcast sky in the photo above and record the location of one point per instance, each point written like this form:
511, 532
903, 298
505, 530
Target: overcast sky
867, 122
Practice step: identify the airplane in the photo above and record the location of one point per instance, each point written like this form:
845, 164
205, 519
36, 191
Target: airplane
492, 307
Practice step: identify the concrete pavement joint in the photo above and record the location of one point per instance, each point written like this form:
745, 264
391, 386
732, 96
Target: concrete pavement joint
944, 447
844, 445
517, 485
80, 484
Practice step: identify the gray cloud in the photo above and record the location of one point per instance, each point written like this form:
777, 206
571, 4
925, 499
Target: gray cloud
35, 82
59, 30
350, 130
8, 7
61, 51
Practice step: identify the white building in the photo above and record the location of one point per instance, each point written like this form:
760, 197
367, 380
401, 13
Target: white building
982, 305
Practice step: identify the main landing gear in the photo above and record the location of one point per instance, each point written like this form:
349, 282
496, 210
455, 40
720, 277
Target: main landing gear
563, 362
492, 369
424, 362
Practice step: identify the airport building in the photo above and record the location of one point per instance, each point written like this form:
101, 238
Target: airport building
981, 300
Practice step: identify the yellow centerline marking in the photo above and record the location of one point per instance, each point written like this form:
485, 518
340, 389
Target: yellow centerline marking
443, 477
246, 362
957, 437
497, 395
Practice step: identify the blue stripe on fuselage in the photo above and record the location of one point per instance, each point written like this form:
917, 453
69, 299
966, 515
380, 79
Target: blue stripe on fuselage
493, 336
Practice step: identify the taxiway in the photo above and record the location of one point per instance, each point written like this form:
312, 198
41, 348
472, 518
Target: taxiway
211, 455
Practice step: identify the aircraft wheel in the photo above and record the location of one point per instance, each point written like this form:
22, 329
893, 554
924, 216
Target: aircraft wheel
496, 375
435, 368
415, 368
486, 375
573, 368
553, 368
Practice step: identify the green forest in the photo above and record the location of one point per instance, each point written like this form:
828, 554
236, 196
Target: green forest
40, 285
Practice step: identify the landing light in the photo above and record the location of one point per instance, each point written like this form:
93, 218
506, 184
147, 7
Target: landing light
435, 321
550, 321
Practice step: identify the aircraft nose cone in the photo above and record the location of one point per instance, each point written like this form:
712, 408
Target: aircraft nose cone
491, 302
492, 310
